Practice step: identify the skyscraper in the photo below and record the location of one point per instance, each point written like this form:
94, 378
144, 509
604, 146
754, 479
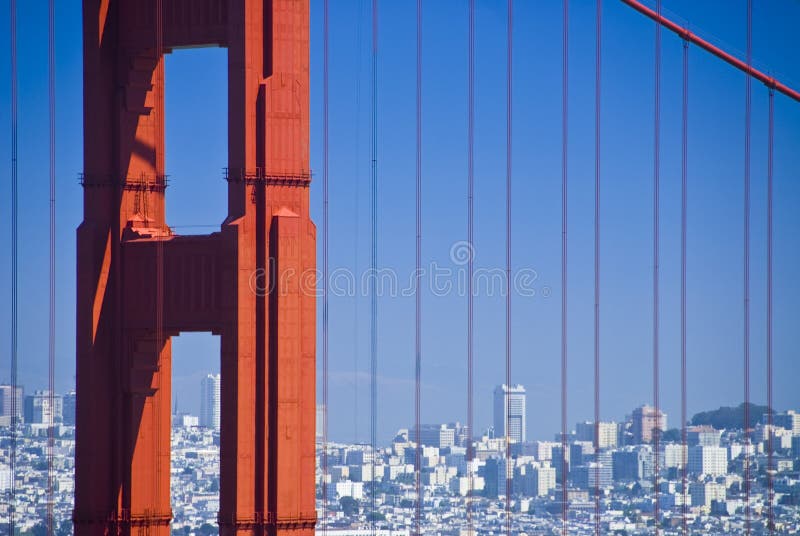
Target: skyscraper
68, 409
511, 399
608, 432
704, 460
434, 435
6, 403
644, 421
38, 409
209, 401
320, 420
633, 463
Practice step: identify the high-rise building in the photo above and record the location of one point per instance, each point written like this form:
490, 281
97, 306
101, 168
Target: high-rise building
788, 419
6, 403
595, 474
534, 479
490, 473
5, 478
346, 489
320, 428
580, 452
544, 480
557, 462
434, 435
209, 401
39, 411
675, 455
633, 463
68, 409
543, 450
704, 435
644, 421
704, 493
505, 470
509, 404
796, 446
463, 434
607, 433
711, 461
184, 420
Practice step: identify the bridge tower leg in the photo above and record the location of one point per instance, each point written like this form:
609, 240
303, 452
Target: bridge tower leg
252, 282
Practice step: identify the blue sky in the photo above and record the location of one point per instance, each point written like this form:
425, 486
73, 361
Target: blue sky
196, 153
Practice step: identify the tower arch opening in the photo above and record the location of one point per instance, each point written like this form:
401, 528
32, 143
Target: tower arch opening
196, 138
194, 454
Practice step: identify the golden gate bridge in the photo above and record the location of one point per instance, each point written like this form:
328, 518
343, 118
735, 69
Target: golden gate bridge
268, 224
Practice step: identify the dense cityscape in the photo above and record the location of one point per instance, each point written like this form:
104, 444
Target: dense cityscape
366, 488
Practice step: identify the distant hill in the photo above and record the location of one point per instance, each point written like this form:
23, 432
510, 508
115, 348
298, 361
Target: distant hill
728, 418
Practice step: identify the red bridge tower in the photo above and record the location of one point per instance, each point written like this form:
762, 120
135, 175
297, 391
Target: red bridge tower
251, 283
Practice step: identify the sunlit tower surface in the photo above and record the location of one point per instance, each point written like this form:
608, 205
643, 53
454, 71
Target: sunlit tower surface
139, 284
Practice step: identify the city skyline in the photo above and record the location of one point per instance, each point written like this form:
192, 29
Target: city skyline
196, 189
477, 267
581, 429
625, 471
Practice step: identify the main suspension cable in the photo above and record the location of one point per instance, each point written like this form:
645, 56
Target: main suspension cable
682, 32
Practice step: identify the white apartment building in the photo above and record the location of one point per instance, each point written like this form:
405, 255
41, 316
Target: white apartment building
346, 489
703, 493
607, 433
708, 460
674, 455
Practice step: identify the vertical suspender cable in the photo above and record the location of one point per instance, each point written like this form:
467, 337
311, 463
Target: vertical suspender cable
374, 262
564, 176
509, 111
159, 167
656, 187
357, 226
325, 282
51, 354
14, 265
770, 145
417, 292
598, 78
746, 341
470, 241
684, 178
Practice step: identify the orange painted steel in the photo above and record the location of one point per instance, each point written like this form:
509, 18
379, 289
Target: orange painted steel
251, 282
718, 52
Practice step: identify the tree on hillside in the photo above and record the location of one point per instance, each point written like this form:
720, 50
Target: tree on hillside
349, 506
727, 418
